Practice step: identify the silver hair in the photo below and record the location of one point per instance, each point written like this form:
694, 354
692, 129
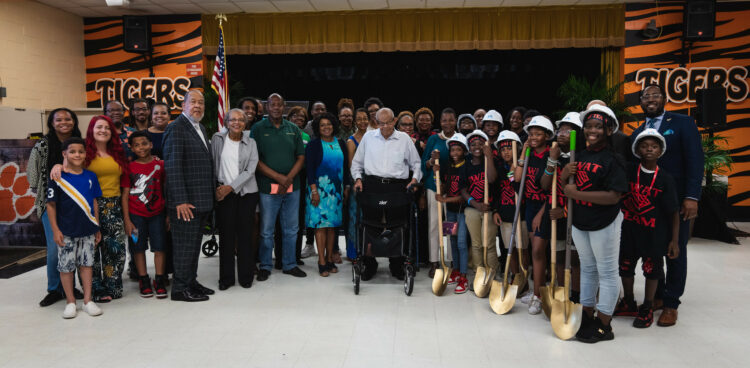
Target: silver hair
228, 115
187, 95
276, 95
384, 110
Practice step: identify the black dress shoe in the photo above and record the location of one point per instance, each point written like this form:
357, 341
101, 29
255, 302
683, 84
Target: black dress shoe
246, 285
296, 272
52, 297
188, 295
263, 274
202, 289
300, 262
223, 286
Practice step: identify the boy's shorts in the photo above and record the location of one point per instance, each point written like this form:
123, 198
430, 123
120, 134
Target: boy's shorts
77, 252
653, 265
151, 230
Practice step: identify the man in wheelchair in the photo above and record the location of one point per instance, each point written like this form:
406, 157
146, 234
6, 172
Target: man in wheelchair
381, 166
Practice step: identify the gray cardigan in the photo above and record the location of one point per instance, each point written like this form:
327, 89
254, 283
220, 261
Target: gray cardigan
245, 182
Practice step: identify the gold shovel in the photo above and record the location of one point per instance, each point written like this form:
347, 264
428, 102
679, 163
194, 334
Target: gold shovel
442, 274
485, 275
503, 296
565, 316
552, 291
521, 279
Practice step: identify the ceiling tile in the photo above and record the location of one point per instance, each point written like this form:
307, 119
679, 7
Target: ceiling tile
257, 7
89, 3
183, 8
330, 5
406, 4
557, 2
59, 4
590, 2
521, 2
225, 7
110, 11
293, 6
444, 4
481, 3
368, 4
84, 12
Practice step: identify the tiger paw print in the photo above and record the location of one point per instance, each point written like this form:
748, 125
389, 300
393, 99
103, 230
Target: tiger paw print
16, 197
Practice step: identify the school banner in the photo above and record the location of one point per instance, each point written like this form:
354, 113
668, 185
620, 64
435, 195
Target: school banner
723, 62
19, 224
164, 75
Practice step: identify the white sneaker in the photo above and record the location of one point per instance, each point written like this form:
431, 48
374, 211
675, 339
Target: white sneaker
92, 309
70, 311
307, 251
535, 307
526, 297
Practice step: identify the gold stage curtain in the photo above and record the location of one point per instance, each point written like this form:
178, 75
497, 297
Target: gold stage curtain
501, 28
612, 65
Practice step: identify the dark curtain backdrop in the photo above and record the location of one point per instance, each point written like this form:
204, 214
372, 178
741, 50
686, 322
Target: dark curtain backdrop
464, 80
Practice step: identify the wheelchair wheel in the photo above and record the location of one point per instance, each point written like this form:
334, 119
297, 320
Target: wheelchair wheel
356, 277
210, 247
409, 279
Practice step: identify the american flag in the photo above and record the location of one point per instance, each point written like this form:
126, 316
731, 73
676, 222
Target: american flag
219, 79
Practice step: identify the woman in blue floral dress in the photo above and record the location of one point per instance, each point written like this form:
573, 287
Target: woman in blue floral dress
326, 159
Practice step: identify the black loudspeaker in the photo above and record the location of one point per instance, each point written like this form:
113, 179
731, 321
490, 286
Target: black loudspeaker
699, 19
136, 34
712, 106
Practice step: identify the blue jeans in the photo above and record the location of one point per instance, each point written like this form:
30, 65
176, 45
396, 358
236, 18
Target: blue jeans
458, 242
286, 207
599, 252
151, 230
53, 276
351, 231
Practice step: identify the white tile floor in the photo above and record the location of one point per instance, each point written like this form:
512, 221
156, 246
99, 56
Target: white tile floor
319, 322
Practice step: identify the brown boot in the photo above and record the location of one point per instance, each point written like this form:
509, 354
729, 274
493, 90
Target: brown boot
668, 317
658, 304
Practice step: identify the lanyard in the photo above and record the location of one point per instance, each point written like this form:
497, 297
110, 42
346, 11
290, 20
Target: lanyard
653, 180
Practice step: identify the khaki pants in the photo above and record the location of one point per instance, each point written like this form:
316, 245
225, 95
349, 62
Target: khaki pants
433, 236
505, 230
474, 224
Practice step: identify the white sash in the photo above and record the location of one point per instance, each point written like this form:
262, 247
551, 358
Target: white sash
78, 198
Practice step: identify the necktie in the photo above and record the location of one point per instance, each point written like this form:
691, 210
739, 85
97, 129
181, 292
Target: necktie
650, 122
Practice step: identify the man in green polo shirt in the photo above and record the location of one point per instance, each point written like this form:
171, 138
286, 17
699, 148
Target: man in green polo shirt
282, 155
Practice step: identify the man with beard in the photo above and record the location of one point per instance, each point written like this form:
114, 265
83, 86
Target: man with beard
684, 161
190, 194
139, 114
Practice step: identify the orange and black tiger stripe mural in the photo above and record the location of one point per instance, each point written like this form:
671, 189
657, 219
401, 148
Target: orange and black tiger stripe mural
165, 75
723, 62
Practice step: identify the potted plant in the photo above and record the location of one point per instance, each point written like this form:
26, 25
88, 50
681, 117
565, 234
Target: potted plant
576, 92
713, 206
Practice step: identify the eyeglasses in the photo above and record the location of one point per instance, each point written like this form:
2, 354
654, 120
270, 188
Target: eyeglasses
140, 109
346, 116
650, 96
563, 133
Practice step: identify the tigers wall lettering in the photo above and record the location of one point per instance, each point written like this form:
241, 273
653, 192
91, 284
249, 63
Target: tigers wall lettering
681, 84
167, 90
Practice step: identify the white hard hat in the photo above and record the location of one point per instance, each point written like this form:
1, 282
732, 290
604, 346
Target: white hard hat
493, 115
571, 118
507, 135
601, 109
652, 133
467, 116
540, 122
457, 138
476, 133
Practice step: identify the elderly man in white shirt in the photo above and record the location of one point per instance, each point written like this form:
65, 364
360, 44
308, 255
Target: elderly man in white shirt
381, 165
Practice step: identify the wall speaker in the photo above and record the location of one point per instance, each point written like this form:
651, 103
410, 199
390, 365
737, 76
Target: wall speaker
712, 106
136, 34
699, 19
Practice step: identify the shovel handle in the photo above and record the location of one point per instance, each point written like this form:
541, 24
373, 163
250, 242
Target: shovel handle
440, 219
569, 235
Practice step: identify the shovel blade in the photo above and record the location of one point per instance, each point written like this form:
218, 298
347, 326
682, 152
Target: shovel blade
481, 289
438, 286
502, 299
520, 281
565, 318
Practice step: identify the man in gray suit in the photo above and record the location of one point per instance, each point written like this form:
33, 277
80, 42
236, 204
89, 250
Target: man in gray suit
190, 194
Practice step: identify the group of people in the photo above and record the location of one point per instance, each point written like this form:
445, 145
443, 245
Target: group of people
155, 184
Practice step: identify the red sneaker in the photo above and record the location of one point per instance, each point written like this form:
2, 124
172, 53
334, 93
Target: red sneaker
160, 286
463, 285
626, 308
454, 277
145, 286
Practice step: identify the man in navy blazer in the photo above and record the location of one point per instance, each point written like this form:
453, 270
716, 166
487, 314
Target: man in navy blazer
190, 194
683, 159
